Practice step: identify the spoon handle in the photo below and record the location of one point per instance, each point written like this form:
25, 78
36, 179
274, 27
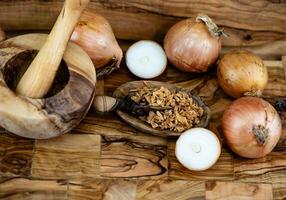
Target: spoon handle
105, 104
39, 77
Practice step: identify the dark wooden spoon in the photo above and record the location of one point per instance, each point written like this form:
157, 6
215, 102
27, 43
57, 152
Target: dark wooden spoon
116, 103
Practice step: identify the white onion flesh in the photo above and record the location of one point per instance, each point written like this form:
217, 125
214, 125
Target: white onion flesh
146, 59
198, 149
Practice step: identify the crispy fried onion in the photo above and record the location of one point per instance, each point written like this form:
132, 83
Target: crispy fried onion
184, 113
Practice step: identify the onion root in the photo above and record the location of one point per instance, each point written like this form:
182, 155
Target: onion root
261, 133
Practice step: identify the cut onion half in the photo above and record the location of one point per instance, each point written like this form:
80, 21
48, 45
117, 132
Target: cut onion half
198, 149
146, 59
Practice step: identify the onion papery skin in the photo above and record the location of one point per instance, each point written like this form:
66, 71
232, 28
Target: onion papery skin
241, 73
190, 46
94, 34
240, 121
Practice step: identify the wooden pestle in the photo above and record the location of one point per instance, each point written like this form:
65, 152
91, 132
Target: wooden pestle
39, 77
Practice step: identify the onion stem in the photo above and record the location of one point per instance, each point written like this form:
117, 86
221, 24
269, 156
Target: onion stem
212, 27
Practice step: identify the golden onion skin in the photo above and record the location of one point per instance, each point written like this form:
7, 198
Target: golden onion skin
94, 34
191, 47
240, 122
241, 73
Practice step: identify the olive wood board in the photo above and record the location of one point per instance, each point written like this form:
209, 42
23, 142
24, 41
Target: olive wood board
149, 19
105, 158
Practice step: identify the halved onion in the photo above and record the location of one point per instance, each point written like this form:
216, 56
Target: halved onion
146, 59
198, 149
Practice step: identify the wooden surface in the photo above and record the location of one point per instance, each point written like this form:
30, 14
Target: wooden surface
258, 26
104, 158
247, 22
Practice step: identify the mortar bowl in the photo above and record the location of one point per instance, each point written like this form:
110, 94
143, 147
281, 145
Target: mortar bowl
58, 112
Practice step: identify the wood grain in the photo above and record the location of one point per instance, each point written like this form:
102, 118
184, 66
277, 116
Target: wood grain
24, 188
56, 114
217, 9
276, 86
67, 156
134, 165
280, 147
104, 125
271, 50
222, 170
99, 87
133, 157
269, 169
248, 22
15, 155
261, 169
167, 189
279, 189
102, 189
238, 191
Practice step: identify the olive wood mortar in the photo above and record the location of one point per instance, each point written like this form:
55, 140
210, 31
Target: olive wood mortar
105, 104
51, 116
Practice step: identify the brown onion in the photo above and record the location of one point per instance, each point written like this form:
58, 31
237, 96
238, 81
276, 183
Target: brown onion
251, 127
241, 73
94, 34
2, 35
193, 45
